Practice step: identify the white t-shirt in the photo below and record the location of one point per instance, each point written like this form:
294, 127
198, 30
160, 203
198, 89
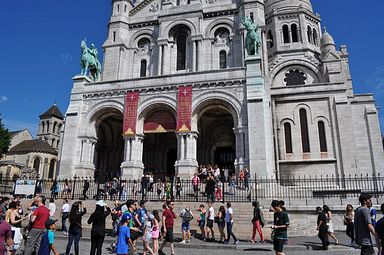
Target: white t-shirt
52, 209
211, 213
228, 215
66, 208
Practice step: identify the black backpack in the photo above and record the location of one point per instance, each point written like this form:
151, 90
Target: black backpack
188, 216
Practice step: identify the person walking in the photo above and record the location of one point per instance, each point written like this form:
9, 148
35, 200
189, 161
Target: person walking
97, 219
210, 220
85, 189
331, 232
178, 188
37, 222
156, 231
279, 227
229, 219
15, 221
220, 220
186, 217
258, 222
349, 222
195, 185
322, 228
364, 227
168, 222
201, 220
64, 216
5, 236
52, 208
124, 237
48, 239
75, 227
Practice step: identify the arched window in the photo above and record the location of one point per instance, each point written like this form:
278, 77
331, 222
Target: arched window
322, 137
53, 143
181, 41
315, 37
286, 34
125, 8
288, 138
42, 127
114, 36
251, 16
269, 39
54, 127
51, 172
223, 59
309, 34
143, 68
36, 164
118, 8
295, 34
304, 131
48, 127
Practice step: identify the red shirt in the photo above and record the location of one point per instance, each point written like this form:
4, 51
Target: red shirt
5, 232
169, 218
42, 215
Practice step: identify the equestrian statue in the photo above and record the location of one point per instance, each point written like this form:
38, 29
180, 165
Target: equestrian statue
253, 38
90, 60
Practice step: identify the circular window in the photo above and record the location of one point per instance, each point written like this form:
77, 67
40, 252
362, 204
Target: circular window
295, 77
143, 42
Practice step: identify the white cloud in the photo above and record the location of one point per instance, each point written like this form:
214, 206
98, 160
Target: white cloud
14, 125
3, 99
66, 58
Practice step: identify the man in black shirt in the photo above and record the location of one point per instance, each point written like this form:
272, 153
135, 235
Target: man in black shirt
322, 227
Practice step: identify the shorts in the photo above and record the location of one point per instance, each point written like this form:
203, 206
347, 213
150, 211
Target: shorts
185, 226
278, 244
210, 224
169, 235
201, 223
148, 236
155, 234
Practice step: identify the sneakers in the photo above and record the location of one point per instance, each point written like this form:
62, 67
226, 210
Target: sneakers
187, 241
183, 241
236, 242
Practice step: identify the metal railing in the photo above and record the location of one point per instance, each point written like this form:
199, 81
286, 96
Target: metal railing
306, 190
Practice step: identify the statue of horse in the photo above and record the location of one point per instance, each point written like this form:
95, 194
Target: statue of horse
89, 61
253, 39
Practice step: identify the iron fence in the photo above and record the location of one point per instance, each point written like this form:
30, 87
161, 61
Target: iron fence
293, 190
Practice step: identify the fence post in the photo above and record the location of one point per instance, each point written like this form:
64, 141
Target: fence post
73, 187
224, 190
255, 184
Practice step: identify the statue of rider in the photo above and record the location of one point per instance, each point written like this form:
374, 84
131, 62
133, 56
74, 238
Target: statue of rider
94, 52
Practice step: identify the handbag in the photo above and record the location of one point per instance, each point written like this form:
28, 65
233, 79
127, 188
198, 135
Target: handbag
217, 219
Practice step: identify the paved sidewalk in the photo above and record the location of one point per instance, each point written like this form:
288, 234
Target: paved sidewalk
294, 244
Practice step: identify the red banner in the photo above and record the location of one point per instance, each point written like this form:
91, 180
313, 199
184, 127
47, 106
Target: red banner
130, 113
184, 109
159, 122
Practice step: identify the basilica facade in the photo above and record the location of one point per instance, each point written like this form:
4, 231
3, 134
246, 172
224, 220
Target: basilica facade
178, 89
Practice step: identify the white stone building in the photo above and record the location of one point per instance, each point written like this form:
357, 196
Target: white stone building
290, 111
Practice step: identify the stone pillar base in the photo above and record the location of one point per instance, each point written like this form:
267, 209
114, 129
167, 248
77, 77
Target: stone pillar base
81, 170
131, 170
186, 168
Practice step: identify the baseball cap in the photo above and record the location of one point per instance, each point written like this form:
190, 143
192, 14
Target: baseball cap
126, 217
49, 222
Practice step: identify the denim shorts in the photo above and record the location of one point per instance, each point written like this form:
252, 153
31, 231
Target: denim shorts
201, 223
185, 226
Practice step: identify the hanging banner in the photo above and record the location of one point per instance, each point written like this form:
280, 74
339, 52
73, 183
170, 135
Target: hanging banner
160, 122
184, 109
130, 113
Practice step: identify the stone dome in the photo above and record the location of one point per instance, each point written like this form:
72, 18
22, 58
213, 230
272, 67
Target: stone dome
284, 5
327, 43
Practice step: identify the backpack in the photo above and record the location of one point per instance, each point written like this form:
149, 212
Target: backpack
187, 216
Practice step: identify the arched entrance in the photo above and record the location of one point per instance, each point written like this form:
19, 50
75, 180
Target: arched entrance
216, 144
160, 143
36, 164
109, 150
52, 166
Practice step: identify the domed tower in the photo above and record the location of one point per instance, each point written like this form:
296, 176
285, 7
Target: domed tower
292, 30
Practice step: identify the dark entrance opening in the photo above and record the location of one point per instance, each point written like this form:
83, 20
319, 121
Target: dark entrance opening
160, 143
216, 143
224, 156
109, 151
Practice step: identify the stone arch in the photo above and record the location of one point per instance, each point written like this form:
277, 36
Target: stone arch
216, 24
232, 103
311, 71
322, 118
307, 108
175, 23
150, 104
286, 120
140, 34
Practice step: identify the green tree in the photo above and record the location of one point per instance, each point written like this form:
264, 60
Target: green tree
5, 139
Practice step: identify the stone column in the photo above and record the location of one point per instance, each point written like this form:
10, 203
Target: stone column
133, 167
260, 135
241, 158
160, 60
186, 163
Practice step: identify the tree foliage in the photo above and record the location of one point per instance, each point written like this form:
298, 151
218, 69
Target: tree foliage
5, 139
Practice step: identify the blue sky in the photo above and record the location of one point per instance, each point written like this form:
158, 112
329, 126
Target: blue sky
40, 50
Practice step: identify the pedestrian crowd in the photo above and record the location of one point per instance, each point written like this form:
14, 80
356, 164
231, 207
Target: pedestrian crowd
133, 221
